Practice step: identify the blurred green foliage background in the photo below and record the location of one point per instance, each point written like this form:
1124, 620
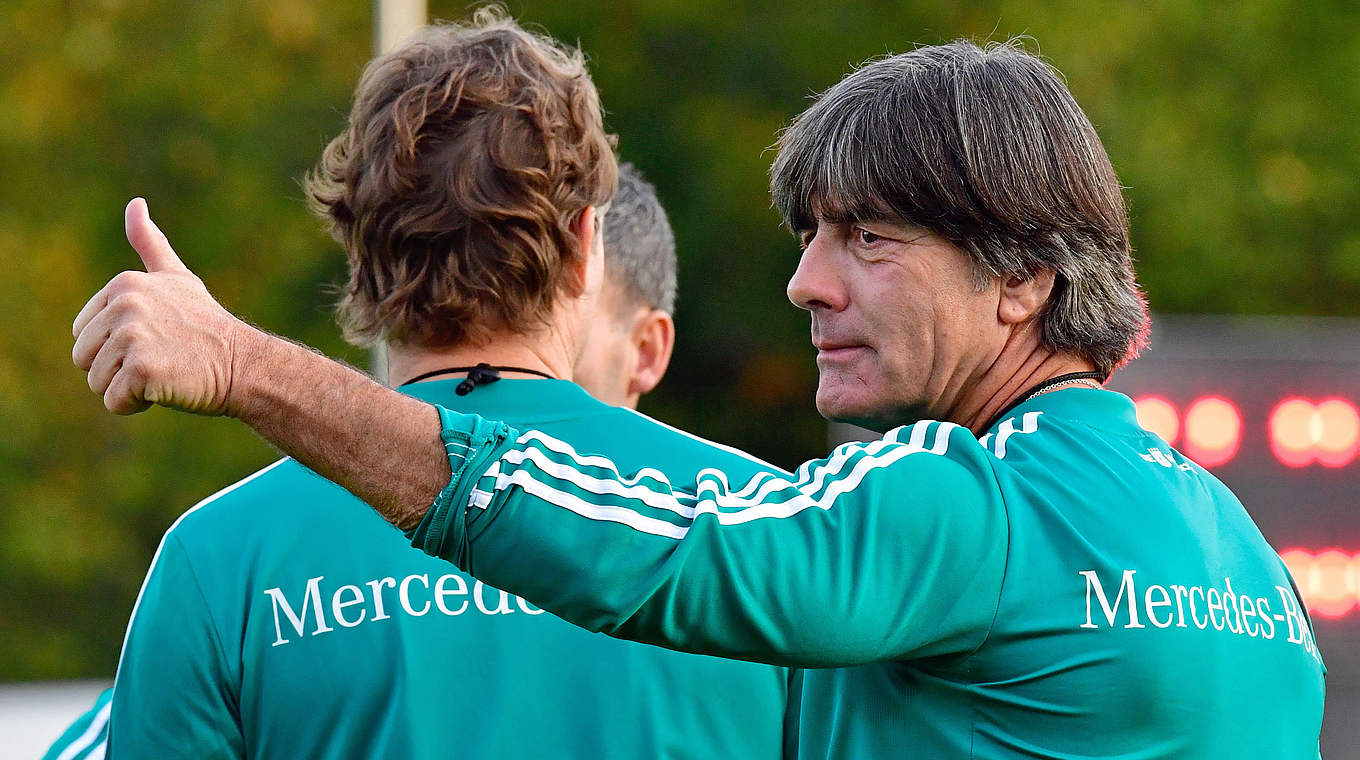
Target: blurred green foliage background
1232, 126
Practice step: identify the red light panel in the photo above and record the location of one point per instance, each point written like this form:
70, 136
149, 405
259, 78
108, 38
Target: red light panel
1329, 580
1291, 432
1213, 431
1339, 433
1157, 415
1328, 433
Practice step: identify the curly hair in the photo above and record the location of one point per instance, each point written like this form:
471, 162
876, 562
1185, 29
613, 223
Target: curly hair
469, 153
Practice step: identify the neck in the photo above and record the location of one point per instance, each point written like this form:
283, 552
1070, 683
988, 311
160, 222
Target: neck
546, 353
1022, 364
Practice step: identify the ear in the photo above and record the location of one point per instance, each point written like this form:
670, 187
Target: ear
1022, 299
654, 339
589, 253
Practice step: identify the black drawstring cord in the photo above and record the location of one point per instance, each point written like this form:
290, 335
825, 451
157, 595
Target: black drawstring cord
482, 374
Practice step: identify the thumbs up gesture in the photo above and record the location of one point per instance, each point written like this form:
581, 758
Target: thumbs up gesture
157, 337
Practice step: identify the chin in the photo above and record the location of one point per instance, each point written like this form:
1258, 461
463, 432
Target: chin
838, 408
878, 415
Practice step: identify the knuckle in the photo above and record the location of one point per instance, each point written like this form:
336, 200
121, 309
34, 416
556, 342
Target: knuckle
138, 372
122, 305
121, 339
124, 282
134, 366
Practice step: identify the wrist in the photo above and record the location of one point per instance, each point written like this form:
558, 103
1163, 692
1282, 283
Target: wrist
253, 353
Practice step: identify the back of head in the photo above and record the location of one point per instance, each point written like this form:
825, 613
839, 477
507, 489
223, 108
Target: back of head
469, 153
987, 148
639, 246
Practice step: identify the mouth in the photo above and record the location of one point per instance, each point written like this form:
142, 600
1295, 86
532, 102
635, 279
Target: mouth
828, 351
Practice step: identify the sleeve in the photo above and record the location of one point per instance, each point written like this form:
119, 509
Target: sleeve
889, 550
85, 738
172, 697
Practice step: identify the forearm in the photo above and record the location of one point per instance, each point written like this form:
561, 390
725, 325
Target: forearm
382, 446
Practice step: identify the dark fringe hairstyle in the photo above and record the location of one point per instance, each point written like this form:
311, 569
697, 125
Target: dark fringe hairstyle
988, 149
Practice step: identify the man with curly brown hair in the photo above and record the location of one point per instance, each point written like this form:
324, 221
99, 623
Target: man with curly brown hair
282, 618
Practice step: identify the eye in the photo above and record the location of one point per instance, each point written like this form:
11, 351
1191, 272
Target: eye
866, 237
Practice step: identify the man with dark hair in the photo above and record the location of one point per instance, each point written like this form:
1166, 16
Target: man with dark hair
282, 618
1033, 576
630, 344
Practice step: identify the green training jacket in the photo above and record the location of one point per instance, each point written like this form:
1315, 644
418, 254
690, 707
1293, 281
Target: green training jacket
282, 618
88, 736
1067, 586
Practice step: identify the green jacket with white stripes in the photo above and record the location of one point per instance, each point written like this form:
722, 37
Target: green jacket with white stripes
282, 618
87, 737
1067, 586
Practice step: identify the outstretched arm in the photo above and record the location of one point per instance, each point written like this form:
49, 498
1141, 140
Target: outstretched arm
860, 558
884, 550
158, 337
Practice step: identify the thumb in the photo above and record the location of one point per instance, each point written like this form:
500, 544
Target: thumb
150, 243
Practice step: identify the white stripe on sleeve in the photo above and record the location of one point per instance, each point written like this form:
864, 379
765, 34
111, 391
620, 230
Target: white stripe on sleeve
96, 726
710, 497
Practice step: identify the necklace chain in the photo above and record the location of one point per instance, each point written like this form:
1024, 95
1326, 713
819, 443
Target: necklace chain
1090, 378
1086, 381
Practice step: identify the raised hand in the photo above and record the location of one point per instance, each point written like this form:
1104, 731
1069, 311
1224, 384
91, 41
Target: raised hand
157, 337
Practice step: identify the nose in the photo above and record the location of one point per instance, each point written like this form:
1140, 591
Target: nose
815, 284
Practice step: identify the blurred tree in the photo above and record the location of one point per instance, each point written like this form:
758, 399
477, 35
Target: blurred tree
1228, 124
213, 111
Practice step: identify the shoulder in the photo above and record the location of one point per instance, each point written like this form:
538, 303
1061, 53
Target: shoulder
924, 451
273, 492
635, 428
929, 484
1016, 430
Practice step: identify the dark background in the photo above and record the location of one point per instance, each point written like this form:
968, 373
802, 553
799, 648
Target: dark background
1255, 363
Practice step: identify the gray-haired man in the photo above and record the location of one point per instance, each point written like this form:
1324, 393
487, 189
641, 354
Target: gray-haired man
1036, 576
629, 344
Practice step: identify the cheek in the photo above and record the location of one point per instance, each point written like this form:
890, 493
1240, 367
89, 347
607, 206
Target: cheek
903, 331
962, 314
977, 315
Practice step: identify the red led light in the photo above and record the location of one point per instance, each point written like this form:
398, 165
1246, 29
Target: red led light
1329, 581
1301, 433
1291, 432
1339, 433
1157, 415
1213, 431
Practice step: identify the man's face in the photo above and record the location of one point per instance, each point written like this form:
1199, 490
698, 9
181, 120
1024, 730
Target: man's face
899, 327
